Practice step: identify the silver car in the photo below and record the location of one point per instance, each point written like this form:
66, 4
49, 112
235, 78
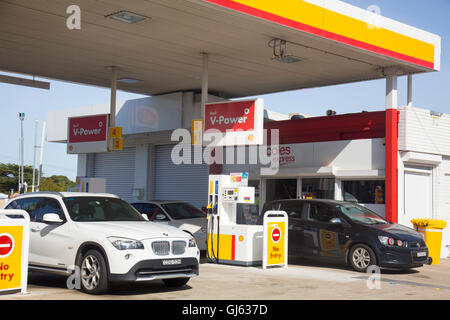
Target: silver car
178, 214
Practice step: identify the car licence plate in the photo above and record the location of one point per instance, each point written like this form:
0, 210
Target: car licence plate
171, 262
421, 254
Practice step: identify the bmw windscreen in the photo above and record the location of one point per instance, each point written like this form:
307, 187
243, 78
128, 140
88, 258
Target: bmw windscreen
89, 209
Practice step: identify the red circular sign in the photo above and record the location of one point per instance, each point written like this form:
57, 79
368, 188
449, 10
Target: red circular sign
6, 245
276, 234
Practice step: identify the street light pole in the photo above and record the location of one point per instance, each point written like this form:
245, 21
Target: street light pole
36, 122
21, 117
40, 157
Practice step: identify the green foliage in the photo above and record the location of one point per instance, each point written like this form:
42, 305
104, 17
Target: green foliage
56, 183
9, 179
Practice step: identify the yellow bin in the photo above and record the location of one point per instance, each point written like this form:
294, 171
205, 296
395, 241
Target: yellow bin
432, 231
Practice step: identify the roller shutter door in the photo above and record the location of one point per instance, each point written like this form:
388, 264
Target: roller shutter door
184, 182
118, 169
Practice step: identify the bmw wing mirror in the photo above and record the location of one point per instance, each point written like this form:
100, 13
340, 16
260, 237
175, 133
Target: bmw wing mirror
51, 218
145, 216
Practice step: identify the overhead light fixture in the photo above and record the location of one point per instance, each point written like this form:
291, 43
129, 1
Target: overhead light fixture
127, 17
287, 59
279, 47
25, 82
129, 80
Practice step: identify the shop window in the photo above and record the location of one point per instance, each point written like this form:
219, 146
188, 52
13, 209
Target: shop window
364, 191
281, 189
318, 188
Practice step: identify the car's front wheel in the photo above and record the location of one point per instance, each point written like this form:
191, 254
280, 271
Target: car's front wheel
93, 273
362, 257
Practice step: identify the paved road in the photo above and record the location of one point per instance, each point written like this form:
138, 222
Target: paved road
299, 281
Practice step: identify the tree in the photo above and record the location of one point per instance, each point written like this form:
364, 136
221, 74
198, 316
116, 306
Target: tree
9, 176
9, 179
56, 183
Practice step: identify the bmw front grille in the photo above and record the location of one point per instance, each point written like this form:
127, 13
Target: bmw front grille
178, 247
161, 248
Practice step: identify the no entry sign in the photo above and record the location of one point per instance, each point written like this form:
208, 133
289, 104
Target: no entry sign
14, 242
276, 235
275, 248
6, 245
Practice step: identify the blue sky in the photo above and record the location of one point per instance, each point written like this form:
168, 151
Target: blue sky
431, 91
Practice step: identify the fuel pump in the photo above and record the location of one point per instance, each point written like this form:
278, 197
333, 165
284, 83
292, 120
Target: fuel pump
228, 242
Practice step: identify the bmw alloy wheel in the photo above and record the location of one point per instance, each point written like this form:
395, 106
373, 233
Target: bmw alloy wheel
90, 272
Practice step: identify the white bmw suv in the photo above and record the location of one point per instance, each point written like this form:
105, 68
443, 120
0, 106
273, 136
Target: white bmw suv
106, 238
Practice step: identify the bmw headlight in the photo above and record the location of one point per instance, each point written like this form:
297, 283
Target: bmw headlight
192, 243
125, 244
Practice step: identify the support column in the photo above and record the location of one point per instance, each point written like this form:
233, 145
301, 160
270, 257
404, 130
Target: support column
410, 88
391, 164
205, 79
112, 115
299, 187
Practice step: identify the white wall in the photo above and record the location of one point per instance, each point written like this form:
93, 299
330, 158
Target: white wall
156, 113
420, 131
443, 202
346, 159
424, 141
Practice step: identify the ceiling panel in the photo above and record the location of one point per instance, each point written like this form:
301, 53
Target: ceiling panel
165, 51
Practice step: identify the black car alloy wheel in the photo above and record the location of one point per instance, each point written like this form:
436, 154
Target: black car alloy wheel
361, 257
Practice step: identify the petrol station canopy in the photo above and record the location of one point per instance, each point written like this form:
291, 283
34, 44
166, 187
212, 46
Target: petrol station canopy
254, 46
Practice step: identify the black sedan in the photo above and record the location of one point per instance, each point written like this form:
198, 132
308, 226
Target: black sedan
344, 232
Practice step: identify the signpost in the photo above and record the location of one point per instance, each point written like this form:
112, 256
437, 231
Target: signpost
14, 245
115, 133
275, 246
197, 132
239, 122
87, 134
